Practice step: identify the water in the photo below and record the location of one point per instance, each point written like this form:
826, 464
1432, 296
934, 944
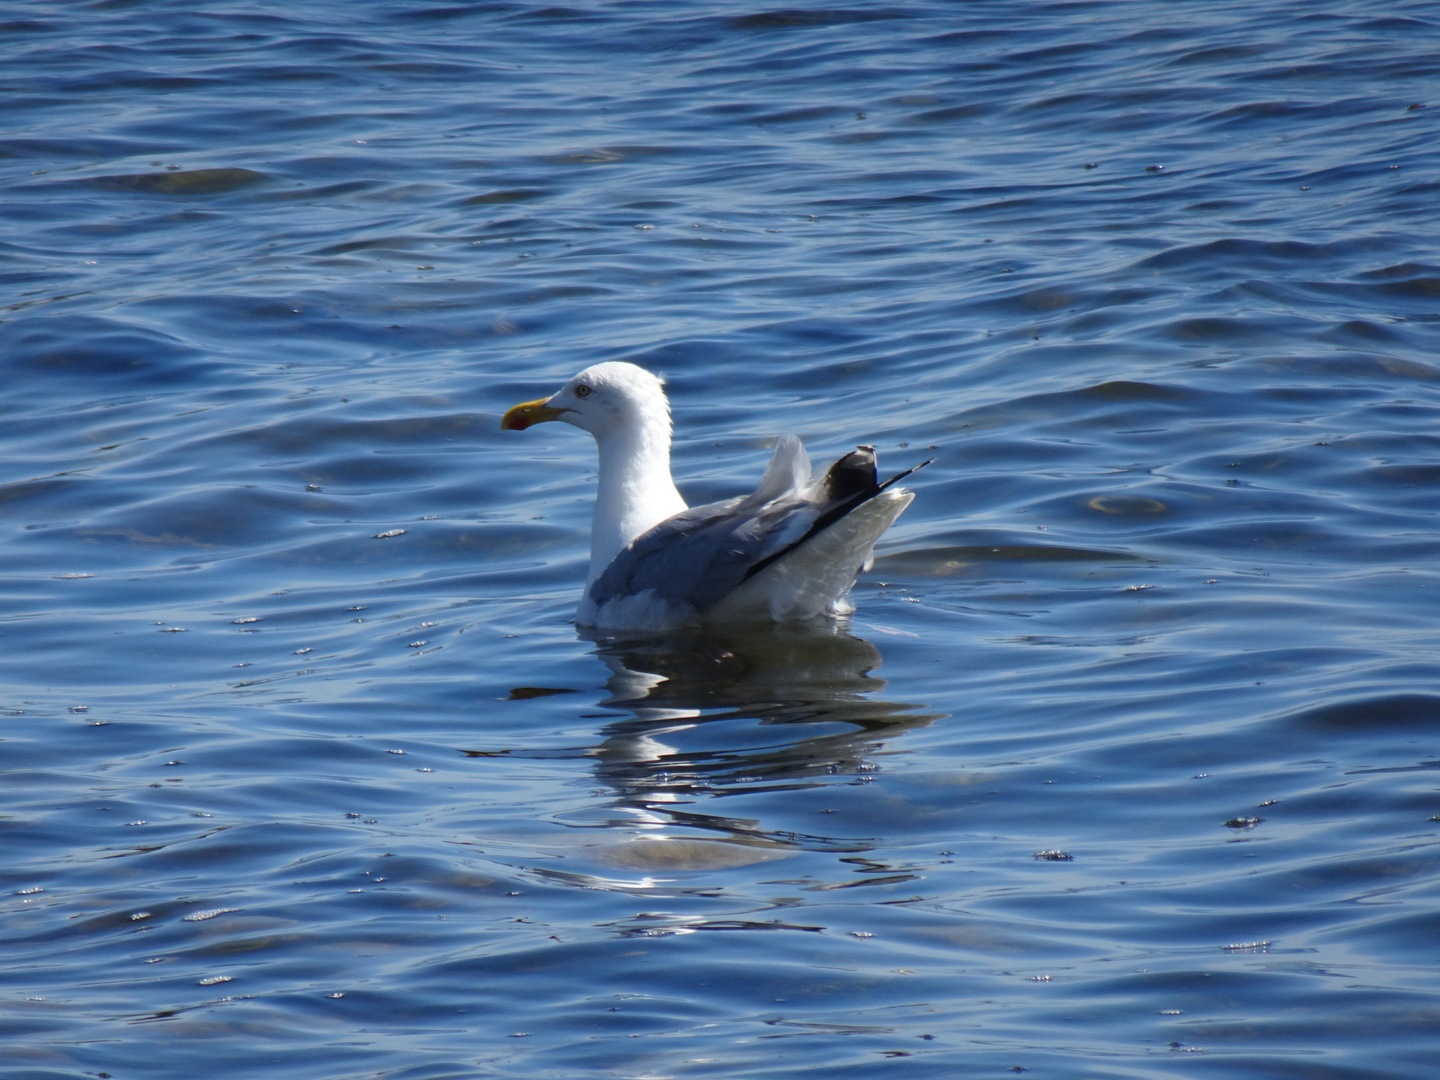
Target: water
291, 790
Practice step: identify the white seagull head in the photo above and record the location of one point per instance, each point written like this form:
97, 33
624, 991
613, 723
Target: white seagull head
603, 399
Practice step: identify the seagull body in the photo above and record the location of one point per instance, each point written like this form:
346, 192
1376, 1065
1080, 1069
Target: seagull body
789, 550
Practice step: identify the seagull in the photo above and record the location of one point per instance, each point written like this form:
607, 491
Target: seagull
788, 551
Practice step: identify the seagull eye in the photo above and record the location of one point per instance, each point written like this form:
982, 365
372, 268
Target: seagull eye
582, 391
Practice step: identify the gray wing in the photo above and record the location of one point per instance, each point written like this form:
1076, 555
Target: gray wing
701, 554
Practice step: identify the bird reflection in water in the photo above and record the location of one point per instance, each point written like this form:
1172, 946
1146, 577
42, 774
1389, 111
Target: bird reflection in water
763, 710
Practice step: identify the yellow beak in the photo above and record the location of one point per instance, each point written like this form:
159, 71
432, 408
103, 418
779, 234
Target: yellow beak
527, 413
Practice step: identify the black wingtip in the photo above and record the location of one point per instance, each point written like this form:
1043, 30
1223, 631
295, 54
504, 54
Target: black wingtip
853, 474
852, 468
907, 472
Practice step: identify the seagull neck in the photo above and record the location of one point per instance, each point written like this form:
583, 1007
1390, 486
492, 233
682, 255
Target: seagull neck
635, 491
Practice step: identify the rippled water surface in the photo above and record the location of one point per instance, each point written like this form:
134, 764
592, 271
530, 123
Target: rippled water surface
1125, 767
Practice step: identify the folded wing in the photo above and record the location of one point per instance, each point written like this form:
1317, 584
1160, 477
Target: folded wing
762, 554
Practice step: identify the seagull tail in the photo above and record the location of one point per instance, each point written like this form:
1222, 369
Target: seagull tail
850, 483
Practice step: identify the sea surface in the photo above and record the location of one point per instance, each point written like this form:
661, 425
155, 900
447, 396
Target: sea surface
1127, 766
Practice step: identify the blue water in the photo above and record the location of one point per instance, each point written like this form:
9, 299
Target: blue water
1126, 765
